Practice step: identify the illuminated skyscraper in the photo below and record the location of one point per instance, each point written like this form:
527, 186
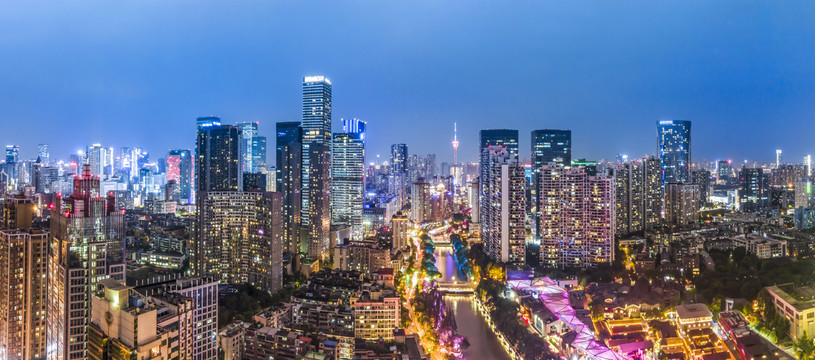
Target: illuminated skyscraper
674, 150
399, 155
44, 154
486, 138
551, 146
23, 290
289, 149
12, 154
420, 201
179, 168
577, 218
724, 172
779, 158
503, 206
240, 238
96, 159
548, 146
217, 166
504, 137
347, 182
754, 189
682, 204
253, 148
314, 197
86, 246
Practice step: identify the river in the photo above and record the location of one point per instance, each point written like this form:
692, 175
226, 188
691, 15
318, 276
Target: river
484, 344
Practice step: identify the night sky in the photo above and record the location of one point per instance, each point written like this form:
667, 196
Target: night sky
138, 73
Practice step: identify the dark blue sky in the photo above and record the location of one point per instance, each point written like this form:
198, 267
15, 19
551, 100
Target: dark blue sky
138, 73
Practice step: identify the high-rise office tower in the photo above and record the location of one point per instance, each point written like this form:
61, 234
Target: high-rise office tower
808, 164
23, 281
399, 154
179, 168
682, 204
217, 165
779, 158
239, 238
504, 137
674, 150
96, 159
785, 175
420, 201
347, 182
577, 217
44, 154
12, 154
316, 231
724, 172
754, 189
253, 147
86, 247
316, 153
551, 146
289, 149
503, 207
548, 146
702, 178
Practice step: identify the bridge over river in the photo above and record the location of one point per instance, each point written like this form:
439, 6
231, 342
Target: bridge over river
484, 344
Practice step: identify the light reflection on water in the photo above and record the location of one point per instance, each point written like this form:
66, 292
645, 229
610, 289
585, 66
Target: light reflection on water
484, 344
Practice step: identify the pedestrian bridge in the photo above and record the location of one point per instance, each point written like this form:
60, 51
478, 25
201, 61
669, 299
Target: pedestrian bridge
456, 287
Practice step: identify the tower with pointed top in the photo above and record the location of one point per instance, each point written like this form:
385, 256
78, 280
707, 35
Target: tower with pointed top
455, 144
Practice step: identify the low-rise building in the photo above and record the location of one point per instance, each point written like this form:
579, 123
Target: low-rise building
763, 248
693, 316
231, 339
363, 256
376, 314
163, 259
797, 304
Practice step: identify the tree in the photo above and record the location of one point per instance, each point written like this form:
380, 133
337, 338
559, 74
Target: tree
804, 347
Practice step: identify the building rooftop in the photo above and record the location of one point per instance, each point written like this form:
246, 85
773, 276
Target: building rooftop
114, 284
802, 298
691, 311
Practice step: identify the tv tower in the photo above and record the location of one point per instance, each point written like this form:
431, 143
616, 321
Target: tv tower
455, 145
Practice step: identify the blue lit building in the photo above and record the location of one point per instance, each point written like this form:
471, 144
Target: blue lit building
316, 160
674, 150
347, 176
399, 155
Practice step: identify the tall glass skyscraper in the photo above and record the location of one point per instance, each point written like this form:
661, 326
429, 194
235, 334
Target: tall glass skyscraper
551, 146
399, 155
548, 146
673, 149
315, 210
12, 154
504, 137
217, 166
44, 154
179, 168
253, 148
288, 157
347, 171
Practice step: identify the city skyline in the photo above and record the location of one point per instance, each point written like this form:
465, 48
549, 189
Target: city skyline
115, 83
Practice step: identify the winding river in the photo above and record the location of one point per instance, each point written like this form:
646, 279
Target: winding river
484, 344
